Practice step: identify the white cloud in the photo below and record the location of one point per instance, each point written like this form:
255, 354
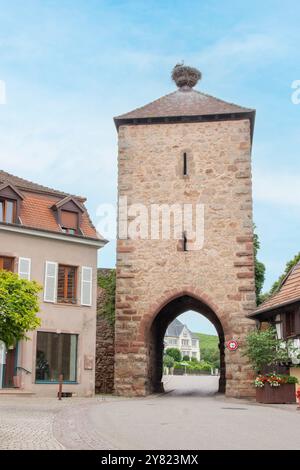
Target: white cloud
237, 53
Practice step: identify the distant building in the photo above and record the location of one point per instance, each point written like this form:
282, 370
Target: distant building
179, 336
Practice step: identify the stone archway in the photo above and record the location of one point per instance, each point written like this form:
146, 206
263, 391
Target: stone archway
163, 318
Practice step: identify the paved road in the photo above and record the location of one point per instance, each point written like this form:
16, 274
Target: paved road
181, 419
191, 386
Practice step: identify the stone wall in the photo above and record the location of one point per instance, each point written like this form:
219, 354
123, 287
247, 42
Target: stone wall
151, 273
105, 347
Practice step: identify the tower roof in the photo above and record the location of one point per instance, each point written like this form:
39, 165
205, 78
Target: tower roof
185, 105
184, 102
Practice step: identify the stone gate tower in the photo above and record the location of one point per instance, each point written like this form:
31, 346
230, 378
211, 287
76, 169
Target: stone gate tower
184, 148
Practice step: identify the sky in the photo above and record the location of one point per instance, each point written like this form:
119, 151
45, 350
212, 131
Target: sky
69, 66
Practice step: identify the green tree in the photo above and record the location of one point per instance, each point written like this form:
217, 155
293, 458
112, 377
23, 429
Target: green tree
168, 361
263, 348
19, 305
211, 355
260, 270
175, 353
289, 265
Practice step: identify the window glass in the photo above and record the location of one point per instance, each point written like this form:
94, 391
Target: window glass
56, 354
9, 212
6, 263
290, 323
66, 284
1, 211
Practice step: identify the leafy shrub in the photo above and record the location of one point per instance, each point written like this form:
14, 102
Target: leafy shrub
264, 349
107, 281
177, 365
19, 305
168, 361
175, 353
290, 379
205, 366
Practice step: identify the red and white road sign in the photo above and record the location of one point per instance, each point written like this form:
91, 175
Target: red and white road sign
232, 345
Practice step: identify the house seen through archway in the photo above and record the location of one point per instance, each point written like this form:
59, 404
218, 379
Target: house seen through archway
191, 333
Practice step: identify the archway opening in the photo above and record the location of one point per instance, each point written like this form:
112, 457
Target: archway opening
161, 322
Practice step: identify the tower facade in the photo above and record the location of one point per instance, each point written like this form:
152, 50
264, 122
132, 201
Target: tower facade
192, 151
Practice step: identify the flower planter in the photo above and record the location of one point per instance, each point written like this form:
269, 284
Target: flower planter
285, 393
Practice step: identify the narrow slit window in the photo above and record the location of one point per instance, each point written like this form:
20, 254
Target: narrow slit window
184, 242
185, 164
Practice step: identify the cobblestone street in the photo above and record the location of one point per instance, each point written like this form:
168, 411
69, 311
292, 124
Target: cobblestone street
188, 416
27, 423
46, 423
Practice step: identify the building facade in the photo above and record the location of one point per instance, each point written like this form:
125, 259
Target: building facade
180, 337
282, 310
184, 148
47, 236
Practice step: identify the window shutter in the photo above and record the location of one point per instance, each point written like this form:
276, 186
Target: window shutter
278, 326
86, 285
24, 268
69, 219
50, 287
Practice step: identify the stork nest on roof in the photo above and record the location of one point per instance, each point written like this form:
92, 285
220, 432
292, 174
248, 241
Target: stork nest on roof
183, 75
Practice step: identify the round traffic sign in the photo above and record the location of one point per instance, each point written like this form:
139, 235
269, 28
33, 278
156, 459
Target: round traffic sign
232, 345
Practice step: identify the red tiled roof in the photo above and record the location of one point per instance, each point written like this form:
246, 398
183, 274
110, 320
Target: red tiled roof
36, 207
288, 292
27, 185
184, 102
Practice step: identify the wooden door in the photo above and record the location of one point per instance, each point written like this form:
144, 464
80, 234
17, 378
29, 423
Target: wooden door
10, 368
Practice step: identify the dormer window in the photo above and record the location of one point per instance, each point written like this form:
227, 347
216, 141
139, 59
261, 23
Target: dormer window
7, 211
10, 199
69, 215
69, 222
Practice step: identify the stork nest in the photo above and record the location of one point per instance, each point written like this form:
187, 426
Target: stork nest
183, 75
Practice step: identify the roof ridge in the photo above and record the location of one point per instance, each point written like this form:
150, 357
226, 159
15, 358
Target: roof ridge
147, 104
293, 268
36, 186
223, 101
141, 111
279, 288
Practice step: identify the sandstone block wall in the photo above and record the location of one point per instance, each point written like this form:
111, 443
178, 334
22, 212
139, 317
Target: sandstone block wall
150, 273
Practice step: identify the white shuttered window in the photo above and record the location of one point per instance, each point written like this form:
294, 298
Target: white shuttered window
50, 286
86, 285
24, 268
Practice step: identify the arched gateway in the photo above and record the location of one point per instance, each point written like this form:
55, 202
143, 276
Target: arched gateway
187, 299
185, 159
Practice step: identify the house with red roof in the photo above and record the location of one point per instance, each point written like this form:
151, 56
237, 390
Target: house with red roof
282, 310
47, 235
